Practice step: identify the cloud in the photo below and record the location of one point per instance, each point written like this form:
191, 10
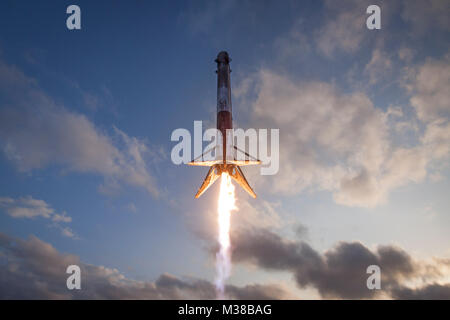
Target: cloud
67, 232
426, 15
430, 85
339, 272
318, 127
379, 66
400, 167
341, 142
61, 217
36, 133
437, 139
293, 45
406, 54
34, 269
30, 208
328, 140
301, 231
344, 29
430, 292
259, 292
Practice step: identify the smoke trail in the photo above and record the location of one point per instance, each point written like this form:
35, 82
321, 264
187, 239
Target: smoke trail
223, 257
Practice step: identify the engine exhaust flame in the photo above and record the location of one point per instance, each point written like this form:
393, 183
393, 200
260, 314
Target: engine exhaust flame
223, 257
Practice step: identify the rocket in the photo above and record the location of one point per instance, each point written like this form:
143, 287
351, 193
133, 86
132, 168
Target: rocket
226, 152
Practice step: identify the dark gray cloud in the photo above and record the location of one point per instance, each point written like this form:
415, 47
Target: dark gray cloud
301, 231
433, 291
258, 292
34, 269
337, 273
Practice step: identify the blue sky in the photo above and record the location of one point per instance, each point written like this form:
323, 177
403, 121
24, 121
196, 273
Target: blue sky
86, 118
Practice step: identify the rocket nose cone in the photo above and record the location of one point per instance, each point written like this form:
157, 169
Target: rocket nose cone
223, 57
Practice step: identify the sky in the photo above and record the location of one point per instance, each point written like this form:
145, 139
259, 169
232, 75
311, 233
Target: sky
86, 118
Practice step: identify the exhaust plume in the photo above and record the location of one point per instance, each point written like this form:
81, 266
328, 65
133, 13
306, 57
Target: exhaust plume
223, 257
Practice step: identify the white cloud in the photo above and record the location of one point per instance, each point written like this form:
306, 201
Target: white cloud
325, 135
400, 167
430, 98
67, 232
36, 133
258, 214
295, 44
345, 28
61, 217
430, 85
437, 139
406, 54
345, 31
379, 65
342, 143
30, 208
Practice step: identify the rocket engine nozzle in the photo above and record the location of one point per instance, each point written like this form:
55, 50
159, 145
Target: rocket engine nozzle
232, 170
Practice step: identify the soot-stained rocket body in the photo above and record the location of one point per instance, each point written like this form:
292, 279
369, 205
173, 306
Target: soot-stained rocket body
226, 152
